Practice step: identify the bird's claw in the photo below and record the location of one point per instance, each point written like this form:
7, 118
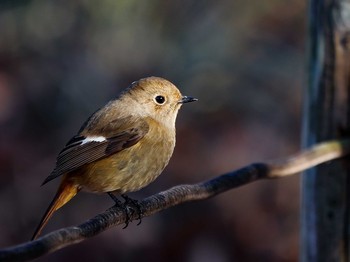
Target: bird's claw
129, 206
132, 205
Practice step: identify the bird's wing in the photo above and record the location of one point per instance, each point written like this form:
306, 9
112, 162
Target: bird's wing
82, 150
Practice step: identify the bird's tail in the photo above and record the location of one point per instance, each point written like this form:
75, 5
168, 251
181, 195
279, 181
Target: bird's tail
65, 192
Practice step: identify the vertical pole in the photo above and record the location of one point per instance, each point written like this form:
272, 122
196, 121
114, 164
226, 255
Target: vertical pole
325, 189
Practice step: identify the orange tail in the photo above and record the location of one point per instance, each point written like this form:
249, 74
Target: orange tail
65, 192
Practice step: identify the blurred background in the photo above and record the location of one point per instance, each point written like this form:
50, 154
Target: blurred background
244, 60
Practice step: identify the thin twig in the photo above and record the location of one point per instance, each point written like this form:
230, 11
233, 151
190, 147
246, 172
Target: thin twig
53, 241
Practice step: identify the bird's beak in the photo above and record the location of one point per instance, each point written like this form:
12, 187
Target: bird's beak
187, 99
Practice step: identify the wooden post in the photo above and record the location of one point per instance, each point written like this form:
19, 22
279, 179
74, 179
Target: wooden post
326, 189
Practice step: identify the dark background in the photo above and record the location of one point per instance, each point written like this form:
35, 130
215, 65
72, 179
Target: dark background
244, 60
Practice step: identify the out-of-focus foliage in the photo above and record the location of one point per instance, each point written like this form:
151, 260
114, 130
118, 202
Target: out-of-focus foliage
244, 60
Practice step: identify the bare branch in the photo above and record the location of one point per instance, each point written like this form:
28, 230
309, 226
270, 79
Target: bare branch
51, 242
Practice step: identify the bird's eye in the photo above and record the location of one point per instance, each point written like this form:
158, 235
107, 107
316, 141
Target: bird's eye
159, 100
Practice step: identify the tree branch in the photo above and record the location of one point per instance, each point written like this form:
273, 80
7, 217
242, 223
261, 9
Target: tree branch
51, 242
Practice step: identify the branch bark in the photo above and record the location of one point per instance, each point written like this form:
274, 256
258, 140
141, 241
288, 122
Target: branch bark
56, 240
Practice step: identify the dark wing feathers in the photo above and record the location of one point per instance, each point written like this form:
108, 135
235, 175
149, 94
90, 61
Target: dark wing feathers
75, 140
77, 153
115, 144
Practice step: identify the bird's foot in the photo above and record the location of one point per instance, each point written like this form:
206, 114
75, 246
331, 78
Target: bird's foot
129, 206
133, 205
123, 206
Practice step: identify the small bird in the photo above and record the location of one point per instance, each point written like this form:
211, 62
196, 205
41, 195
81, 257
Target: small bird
122, 147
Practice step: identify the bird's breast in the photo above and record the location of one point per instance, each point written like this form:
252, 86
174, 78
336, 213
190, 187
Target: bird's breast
130, 169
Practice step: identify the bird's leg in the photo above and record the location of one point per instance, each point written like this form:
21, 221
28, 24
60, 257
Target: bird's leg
115, 199
133, 203
123, 206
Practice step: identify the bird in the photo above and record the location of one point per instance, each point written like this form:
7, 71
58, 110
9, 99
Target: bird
122, 147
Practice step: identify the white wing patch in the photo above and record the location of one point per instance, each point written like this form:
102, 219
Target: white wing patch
93, 139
